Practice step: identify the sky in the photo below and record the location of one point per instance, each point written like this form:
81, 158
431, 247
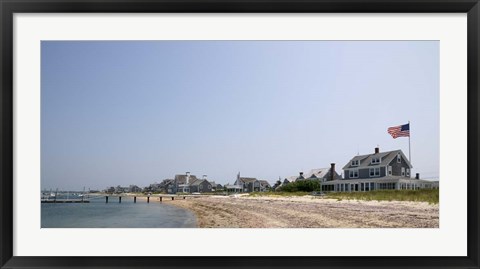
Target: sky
137, 112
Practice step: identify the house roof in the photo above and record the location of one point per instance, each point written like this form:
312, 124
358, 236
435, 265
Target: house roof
182, 179
247, 179
264, 183
321, 173
365, 161
198, 182
317, 173
291, 179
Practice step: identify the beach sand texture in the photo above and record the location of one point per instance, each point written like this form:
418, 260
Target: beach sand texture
307, 212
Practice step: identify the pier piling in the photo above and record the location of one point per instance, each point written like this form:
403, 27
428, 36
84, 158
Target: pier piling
135, 199
160, 198
148, 199
119, 199
173, 198
183, 197
106, 199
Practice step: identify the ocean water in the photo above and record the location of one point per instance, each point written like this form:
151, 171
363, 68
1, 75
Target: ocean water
98, 214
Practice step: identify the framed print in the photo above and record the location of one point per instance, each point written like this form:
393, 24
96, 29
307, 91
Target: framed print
252, 134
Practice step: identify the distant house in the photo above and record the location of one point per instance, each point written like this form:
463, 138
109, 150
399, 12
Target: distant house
188, 183
264, 185
155, 187
182, 182
167, 186
377, 171
319, 174
134, 188
219, 187
201, 185
248, 184
233, 188
323, 174
289, 180
120, 189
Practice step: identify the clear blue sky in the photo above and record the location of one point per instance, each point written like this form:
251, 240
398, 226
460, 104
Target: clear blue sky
137, 112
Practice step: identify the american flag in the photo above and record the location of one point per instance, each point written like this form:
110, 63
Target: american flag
400, 130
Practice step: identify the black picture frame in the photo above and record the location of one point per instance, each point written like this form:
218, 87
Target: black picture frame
10, 7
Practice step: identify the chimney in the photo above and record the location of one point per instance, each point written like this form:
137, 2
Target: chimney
377, 150
205, 177
188, 177
417, 176
301, 174
332, 171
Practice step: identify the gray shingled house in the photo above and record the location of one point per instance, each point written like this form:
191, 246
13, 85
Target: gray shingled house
182, 182
264, 185
201, 185
248, 184
378, 164
379, 170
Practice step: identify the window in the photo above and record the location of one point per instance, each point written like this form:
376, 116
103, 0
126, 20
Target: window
408, 172
390, 170
375, 172
375, 160
209, 187
387, 186
403, 171
355, 162
399, 158
353, 173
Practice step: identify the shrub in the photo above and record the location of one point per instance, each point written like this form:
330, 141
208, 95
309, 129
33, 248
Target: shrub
302, 186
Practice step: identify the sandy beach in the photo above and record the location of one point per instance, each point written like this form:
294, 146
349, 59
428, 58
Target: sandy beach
306, 212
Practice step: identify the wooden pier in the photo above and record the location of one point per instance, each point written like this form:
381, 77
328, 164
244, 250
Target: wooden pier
118, 198
160, 197
64, 201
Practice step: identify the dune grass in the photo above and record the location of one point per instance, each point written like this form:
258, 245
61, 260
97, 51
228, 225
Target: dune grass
278, 194
425, 195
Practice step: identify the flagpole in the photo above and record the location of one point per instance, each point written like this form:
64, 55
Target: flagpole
409, 135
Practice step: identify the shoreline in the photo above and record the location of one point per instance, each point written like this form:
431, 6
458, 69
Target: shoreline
306, 212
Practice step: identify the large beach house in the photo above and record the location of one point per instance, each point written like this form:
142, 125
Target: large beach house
377, 171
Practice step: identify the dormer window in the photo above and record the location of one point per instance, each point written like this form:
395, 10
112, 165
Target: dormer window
375, 160
355, 162
399, 158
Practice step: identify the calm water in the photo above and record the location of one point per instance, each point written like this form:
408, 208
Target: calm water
98, 214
